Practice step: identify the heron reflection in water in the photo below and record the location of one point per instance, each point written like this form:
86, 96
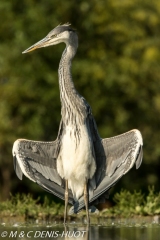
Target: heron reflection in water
79, 166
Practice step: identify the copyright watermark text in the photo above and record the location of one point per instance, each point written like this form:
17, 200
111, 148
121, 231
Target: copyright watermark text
42, 234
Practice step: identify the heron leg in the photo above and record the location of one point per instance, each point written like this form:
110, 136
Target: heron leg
66, 200
86, 200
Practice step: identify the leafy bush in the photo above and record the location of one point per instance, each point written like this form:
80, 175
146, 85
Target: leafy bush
136, 203
25, 205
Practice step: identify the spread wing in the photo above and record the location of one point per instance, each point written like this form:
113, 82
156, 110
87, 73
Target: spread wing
122, 152
115, 157
37, 161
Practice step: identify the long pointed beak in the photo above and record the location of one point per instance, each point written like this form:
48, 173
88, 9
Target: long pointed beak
41, 43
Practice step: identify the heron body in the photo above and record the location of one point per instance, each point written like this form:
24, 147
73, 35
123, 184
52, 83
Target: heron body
76, 163
78, 166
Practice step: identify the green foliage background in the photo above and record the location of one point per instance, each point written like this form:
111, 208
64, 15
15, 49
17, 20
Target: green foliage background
116, 69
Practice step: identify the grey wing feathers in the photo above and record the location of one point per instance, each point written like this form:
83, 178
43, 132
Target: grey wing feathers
17, 168
121, 153
52, 187
36, 160
123, 150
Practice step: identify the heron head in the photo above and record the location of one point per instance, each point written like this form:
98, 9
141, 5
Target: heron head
61, 33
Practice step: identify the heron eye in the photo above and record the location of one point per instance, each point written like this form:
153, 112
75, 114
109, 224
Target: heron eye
53, 36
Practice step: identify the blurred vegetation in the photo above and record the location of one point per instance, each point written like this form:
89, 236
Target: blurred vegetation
129, 204
116, 69
22, 205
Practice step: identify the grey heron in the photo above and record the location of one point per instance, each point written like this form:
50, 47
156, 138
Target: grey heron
78, 167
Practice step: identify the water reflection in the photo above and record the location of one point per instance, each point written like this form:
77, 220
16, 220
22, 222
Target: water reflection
81, 232
115, 233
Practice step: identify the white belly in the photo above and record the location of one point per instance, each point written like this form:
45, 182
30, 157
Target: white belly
76, 162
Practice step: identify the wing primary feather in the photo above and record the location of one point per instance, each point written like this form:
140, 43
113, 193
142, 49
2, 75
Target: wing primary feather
139, 158
52, 187
17, 168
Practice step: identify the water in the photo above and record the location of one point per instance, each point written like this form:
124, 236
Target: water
110, 230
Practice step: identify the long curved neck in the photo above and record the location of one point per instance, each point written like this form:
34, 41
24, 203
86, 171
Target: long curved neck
68, 93
65, 77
